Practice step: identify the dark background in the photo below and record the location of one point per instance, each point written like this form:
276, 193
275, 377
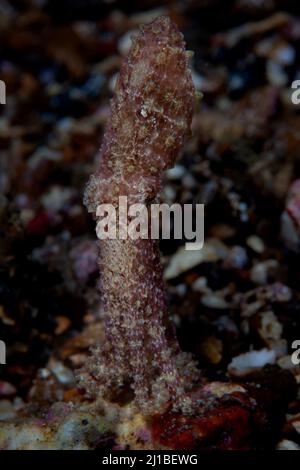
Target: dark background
59, 60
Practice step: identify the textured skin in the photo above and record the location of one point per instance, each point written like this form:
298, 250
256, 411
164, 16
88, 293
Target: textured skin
151, 115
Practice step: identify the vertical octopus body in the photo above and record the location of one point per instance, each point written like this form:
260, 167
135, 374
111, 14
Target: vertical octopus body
151, 114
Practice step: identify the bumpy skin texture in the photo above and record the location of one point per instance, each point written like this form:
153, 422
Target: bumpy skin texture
151, 115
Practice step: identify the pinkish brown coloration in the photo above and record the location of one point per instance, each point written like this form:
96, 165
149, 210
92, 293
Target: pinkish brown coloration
151, 115
290, 219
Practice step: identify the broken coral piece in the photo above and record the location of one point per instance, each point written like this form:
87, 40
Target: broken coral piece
228, 419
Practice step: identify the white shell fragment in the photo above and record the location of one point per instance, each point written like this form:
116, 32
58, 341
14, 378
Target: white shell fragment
183, 259
256, 243
251, 361
286, 444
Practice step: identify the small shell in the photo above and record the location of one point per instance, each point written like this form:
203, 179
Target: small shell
245, 363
